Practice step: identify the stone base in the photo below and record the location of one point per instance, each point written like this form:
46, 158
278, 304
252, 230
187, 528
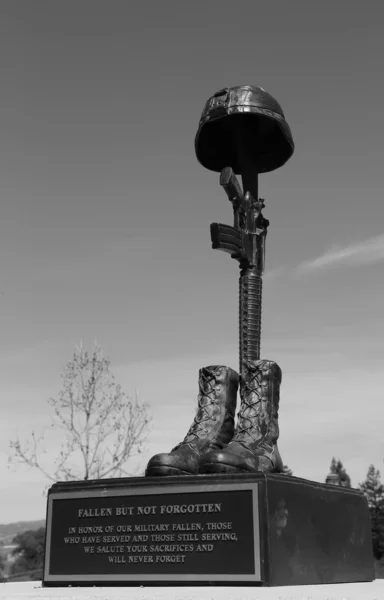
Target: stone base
254, 529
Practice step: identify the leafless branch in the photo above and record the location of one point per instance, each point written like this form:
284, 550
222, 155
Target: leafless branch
102, 428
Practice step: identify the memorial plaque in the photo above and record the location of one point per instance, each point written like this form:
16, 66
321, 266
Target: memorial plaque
154, 533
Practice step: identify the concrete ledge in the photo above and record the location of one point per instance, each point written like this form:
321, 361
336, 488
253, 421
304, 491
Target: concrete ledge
344, 591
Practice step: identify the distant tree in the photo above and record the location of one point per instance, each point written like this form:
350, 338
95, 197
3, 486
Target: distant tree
374, 492
337, 468
287, 471
101, 427
29, 554
2, 567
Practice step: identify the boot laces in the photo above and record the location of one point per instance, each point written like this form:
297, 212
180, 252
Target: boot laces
206, 399
255, 419
251, 417
250, 406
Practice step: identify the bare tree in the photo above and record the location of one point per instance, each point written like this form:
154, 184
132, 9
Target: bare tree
101, 427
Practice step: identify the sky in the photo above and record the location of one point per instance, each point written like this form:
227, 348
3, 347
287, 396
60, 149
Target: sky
105, 215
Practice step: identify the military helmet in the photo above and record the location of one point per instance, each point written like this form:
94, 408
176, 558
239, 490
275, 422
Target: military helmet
271, 142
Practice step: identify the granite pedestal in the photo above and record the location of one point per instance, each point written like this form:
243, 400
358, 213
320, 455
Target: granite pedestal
255, 529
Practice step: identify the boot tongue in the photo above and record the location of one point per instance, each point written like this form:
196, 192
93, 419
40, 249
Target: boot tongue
209, 373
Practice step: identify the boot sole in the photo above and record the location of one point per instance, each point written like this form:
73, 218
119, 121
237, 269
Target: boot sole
222, 468
166, 472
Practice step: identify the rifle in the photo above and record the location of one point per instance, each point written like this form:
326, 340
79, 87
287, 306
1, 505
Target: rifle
245, 242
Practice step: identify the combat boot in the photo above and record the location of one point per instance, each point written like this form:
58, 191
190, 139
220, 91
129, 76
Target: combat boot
212, 428
254, 445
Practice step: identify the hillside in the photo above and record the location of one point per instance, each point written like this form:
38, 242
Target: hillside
9, 530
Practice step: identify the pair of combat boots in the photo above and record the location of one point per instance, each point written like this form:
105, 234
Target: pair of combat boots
212, 444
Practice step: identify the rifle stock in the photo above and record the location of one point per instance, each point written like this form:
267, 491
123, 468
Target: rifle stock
231, 186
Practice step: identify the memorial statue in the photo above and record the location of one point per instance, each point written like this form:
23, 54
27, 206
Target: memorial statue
228, 516
242, 130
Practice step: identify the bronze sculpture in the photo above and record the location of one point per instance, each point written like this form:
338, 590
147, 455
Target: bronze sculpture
242, 130
212, 428
244, 523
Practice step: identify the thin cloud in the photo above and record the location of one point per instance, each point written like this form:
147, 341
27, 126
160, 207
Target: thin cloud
368, 252
269, 275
